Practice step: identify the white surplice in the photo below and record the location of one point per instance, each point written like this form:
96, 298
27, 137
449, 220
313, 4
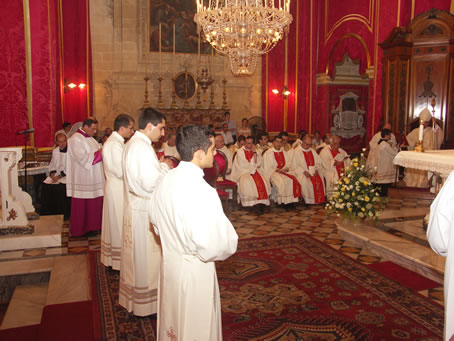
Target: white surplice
432, 140
300, 166
84, 180
386, 171
242, 171
261, 149
112, 213
372, 157
440, 234
140, 249
58, 165
282, 186
329, 169
171, 151
187, 214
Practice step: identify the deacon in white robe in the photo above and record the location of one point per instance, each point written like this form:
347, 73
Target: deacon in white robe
386, 171
85, 179
112, 220
253, 187
187, 214
308, 168
276, 166
440, 234
334, 160
239, 143
372, 157
141, 251
432, 139
262, 144
170, 148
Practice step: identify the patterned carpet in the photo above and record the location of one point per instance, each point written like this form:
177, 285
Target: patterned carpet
293, 287
290, 287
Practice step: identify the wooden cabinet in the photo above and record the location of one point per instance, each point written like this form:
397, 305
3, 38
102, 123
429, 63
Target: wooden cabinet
418, 66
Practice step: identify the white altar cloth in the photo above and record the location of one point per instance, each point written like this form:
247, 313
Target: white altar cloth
436, 161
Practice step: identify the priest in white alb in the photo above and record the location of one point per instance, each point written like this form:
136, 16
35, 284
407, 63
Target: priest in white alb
277, 169
308, 168
432, 139
141, 251
187, 214
253, 187
386, 171
112, 215
440, 234
85, 179
170, 148
334, 160
372, 157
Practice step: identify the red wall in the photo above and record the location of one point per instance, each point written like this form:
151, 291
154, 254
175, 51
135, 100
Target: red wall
321, 33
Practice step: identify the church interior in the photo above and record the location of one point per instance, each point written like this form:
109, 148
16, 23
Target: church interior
302, 271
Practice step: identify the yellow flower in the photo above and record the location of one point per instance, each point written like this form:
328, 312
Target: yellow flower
353, 194
349, 209
363, 209
365, 183
347, 180
343, 189
366, 199
355, 164
340, 200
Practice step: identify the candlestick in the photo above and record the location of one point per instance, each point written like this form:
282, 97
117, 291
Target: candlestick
198, 52
160, 61
174, 43
224, 96
160, 103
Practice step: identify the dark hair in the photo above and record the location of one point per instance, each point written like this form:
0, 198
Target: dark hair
122, 120
317, 131
385, 132
227, 113
241, 138
150, 115
171, 134
245, 119
261, 135
89, 121
66, 124
250, 138
283, 133
325, 137
302, 133
191, 138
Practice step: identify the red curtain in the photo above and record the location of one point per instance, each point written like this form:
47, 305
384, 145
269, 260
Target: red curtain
76, 46
13, 86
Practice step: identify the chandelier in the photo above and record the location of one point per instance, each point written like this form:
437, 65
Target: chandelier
243, 29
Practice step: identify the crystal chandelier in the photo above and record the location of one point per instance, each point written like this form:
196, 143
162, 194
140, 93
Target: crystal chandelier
243, 29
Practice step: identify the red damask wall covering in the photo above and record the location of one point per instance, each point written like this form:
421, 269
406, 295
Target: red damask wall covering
321, 33
48, 43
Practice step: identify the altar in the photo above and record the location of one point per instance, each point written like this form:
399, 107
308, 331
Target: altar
440, 162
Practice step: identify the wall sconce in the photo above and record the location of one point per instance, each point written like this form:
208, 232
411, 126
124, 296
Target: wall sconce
285, 92
69, 85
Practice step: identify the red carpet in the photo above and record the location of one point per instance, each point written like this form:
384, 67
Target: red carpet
403, 276
28, 333
293, 287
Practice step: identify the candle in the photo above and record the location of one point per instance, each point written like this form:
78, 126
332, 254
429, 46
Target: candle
198, 52
160, 61
421, 130
174, 44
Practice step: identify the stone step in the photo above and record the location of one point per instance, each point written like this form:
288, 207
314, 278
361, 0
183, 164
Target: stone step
26, 306
403, 251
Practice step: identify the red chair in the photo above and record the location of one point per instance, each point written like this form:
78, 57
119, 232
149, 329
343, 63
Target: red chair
223, 164
211, 175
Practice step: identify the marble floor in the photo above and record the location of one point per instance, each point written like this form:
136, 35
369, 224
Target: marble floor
313, 220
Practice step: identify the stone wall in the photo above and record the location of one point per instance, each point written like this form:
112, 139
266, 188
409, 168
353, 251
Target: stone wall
121, 60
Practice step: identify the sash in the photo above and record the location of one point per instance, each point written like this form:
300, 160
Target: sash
280, 159
160, 154
259, 184
339, 169
317, 182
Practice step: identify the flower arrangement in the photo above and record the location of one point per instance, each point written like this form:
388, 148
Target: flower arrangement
354, 194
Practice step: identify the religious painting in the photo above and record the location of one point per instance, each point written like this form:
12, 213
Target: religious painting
178, 14
185, 85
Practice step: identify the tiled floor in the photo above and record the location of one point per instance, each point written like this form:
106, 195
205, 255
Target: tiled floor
313, 220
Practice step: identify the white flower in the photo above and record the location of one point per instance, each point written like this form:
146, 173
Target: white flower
349, 204
356, 203
371, 214
350, 187
361, 214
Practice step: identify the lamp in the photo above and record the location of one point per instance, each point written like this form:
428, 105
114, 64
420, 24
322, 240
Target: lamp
243, 29
68, 85
284, 93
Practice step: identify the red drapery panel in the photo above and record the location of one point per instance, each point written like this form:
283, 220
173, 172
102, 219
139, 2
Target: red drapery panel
13, 86
76, 46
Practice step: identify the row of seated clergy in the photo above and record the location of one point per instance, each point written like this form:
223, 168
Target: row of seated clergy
53, 197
